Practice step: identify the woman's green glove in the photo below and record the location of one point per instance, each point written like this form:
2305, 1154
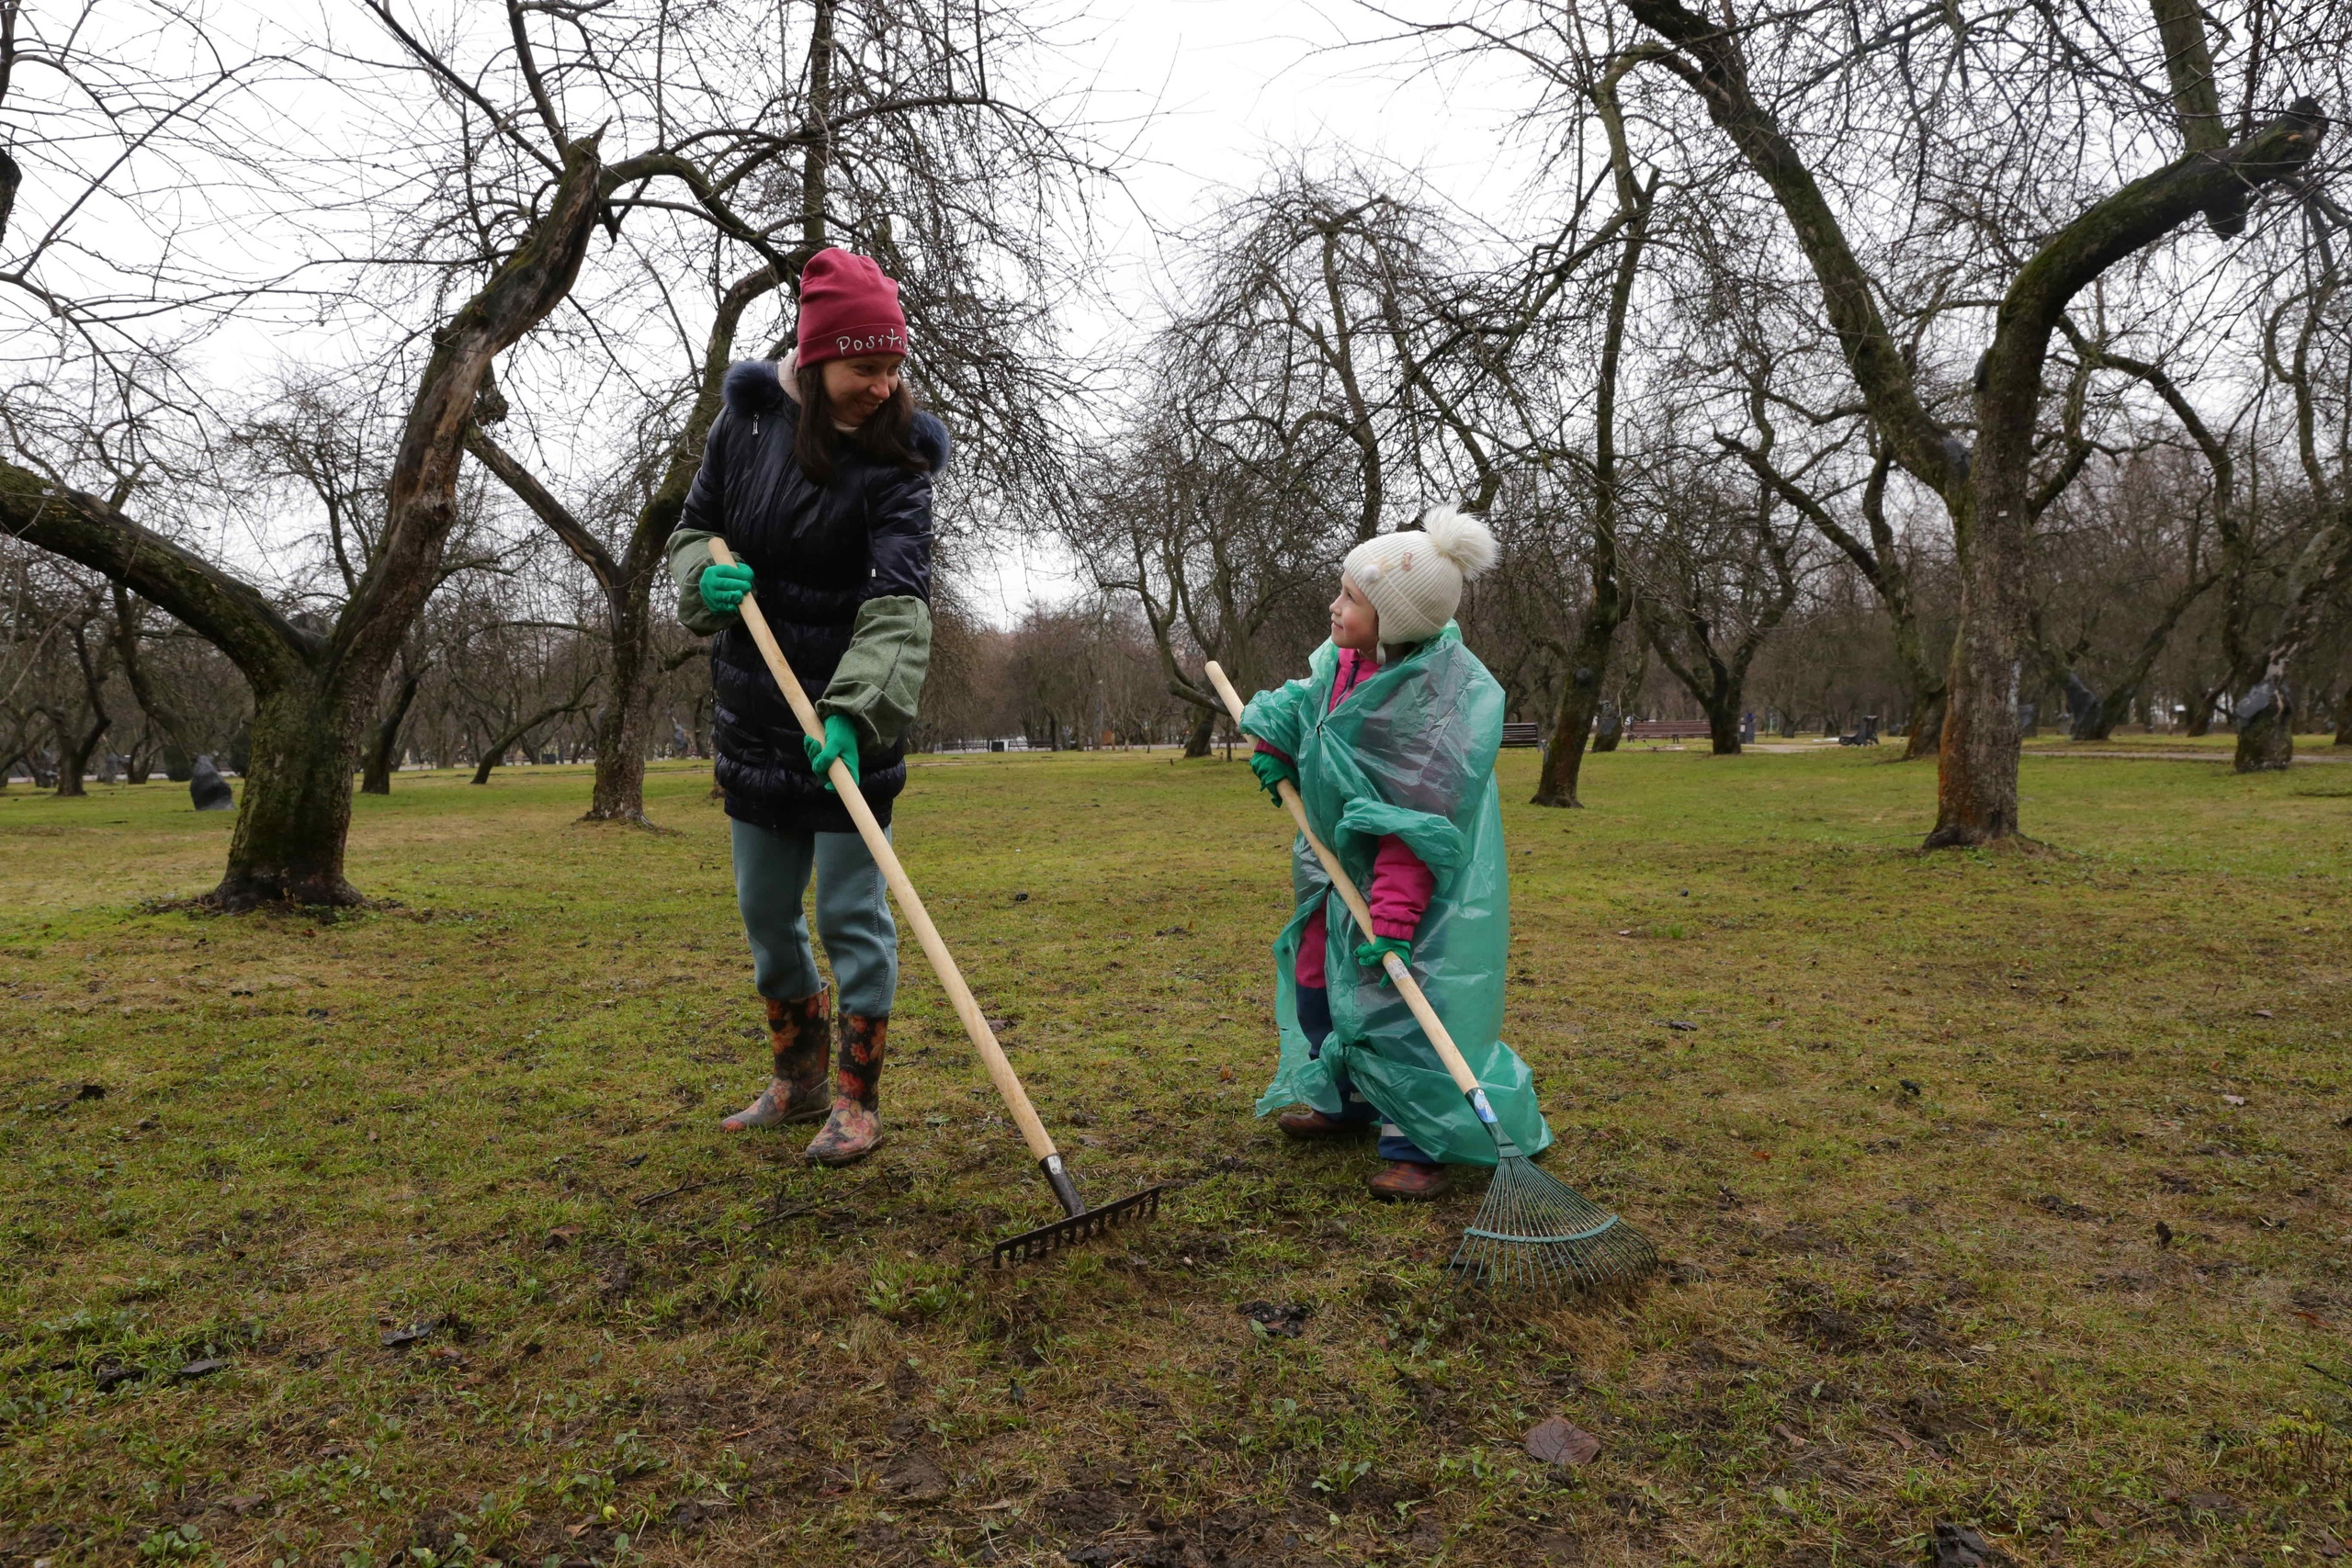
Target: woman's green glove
723, 587
840, 740
1371, 954
1271, 770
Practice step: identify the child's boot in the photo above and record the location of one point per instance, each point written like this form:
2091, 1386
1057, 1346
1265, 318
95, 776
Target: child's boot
1410, 1181
1313, 1123
854, 1128
797, 1092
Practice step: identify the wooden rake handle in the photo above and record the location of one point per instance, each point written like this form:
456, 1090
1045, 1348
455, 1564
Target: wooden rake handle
951, 979
1447, 1052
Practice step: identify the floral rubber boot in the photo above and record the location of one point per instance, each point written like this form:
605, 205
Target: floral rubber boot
797, 1092
854, 1128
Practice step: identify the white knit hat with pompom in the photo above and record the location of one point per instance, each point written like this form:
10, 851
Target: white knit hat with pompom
1414, 577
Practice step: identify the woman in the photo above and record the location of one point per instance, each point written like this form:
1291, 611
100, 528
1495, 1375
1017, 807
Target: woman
819, 475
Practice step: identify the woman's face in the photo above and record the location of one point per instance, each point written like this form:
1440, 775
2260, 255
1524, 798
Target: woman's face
1354, 623
857, 387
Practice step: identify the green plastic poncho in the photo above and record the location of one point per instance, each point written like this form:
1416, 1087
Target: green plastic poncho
1409, 751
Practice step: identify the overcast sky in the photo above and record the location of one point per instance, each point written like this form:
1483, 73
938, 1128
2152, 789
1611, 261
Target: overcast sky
1231, 85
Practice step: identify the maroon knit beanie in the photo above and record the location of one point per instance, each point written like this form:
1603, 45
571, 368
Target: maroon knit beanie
847, 309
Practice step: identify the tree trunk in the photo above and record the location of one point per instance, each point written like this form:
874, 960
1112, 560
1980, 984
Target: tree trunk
1580, 699
619, 792
1926, 737
2267, 741
1610, 727
1196, 744
1723, 724
384, 755
295, 810
73, 761
1581, 696
2343, 720
1976, 771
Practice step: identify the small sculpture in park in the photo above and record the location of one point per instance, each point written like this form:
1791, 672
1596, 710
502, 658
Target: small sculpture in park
208, 789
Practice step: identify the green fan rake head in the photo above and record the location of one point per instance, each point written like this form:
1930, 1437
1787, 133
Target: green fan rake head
1537, 1233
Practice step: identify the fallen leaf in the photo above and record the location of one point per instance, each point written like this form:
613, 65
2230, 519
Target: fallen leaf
1676, 1024
1759, 1154
563, 1235
393, 1337
1280, 1321
1788, 1437
1557, 1441
2233, 1099
203, 1369
1957, 1546
1224, 1075
2263, 1012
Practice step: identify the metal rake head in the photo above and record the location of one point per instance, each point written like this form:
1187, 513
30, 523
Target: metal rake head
1030, 1246
1534, 1231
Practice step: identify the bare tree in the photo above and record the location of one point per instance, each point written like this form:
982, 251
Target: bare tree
511, 262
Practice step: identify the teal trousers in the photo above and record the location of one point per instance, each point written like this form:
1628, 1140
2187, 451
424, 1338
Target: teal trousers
771, 873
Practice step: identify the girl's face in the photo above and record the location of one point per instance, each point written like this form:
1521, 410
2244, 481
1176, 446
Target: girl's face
1354, 623
857, 387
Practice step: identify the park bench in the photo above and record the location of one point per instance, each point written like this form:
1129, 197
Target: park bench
1666, 729
1522, 735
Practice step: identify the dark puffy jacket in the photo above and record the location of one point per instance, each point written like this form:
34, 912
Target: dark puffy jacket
817, 552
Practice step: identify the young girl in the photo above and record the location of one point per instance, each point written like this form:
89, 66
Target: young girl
1391, 741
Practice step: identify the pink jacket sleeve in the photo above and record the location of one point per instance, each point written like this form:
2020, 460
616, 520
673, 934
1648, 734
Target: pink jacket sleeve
1401, 887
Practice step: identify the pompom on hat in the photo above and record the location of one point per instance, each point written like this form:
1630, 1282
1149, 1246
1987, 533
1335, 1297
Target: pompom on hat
847, 309
1413, 578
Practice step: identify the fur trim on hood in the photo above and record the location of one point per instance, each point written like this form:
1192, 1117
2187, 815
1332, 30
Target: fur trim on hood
754, 386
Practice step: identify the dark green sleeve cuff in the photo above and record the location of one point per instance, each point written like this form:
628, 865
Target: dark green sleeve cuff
879, 681
688, 552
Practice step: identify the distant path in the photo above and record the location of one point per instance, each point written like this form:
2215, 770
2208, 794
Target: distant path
2300, 757
2337, 754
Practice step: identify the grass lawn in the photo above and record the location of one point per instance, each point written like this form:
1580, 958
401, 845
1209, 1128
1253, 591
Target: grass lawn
2006, 1189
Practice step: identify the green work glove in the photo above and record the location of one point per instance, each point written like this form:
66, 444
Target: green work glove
1370, 954
840, 740
723, 587
1271, 771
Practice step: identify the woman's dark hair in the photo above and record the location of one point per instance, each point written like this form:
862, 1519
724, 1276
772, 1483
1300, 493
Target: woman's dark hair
886, 439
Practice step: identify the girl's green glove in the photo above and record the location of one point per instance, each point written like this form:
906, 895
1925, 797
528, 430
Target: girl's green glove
723, 587
1370, 954
840, 740
1271, 771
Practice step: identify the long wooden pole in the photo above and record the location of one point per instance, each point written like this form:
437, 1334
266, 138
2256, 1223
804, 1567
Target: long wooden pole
951, 979
1447, 1052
